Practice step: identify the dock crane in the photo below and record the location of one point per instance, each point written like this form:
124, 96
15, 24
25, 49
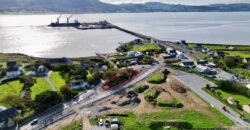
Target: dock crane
68, 18
58, 19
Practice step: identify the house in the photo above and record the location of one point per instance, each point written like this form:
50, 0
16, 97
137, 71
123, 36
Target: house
219, 54
138, 41
171, 51
181, 55
42, 70
183, 42
79, 84
205, 70
223, 75
13, 69
211, 65
202, 62
134, 54
187, 64
206, 50
7, 117
60, 61
198, 47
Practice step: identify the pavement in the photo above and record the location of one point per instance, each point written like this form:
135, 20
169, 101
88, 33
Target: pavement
83, 102
196, 83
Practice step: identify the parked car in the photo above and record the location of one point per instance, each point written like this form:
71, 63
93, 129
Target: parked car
34, 122
101, 122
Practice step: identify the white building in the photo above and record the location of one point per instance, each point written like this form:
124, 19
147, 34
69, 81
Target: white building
79, 84
13, 70
134, 53
223, 75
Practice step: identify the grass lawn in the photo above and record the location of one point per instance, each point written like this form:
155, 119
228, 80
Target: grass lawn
188, 118
57, 80
77, 125
145, 46
244, 72
156, 78
10, 88
243, 54
242, 99
40, 86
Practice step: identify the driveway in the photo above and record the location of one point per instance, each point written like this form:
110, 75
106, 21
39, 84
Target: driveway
49, 81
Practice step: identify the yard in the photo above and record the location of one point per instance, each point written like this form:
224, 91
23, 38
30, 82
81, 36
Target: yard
10, 88
243, 54
186, 119
157, 78
242, 99
57, 80
145, 46
40, 86
243, 72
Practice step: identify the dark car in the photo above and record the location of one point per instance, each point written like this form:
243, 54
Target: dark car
34, 122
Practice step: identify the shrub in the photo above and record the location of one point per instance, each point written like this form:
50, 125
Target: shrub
141, 89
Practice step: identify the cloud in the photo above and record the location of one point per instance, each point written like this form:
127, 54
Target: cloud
185, 2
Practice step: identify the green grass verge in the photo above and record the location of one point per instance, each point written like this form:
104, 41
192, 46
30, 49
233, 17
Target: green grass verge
40, 86
157, 78
145, 47
57, 80
10, 88
77, 125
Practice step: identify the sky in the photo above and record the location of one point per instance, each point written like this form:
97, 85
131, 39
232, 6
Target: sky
185, 2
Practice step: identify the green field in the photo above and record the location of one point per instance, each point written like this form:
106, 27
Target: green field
243, 54
10, 88
242, 99
77, 125
145, 47
57, 80
189, 118
40, 86
156, 78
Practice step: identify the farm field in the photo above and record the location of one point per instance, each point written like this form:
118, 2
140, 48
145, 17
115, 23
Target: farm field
243, 54
40, 86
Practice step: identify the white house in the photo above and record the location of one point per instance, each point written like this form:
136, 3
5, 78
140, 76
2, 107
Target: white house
79, 84
13, 70
134, 53
223, 75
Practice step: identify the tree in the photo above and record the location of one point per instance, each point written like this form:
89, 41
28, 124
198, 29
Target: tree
110, 74
27, 81
67, 92
46, 100
14, 101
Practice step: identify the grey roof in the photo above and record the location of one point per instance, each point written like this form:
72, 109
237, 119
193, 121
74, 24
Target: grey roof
8, 113
225, 75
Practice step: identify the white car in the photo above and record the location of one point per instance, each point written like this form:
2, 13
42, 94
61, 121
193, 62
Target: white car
101, 122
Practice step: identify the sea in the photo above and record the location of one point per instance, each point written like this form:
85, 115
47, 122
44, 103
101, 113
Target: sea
29, 33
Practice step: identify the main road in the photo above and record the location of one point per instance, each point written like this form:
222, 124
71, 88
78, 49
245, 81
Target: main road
84, 100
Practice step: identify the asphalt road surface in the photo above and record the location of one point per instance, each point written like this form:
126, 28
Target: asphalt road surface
83, 101
196, 83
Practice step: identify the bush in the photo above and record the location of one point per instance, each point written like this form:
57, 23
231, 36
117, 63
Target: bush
141, 89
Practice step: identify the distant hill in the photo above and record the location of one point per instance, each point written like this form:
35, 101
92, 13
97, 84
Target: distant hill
81, 6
